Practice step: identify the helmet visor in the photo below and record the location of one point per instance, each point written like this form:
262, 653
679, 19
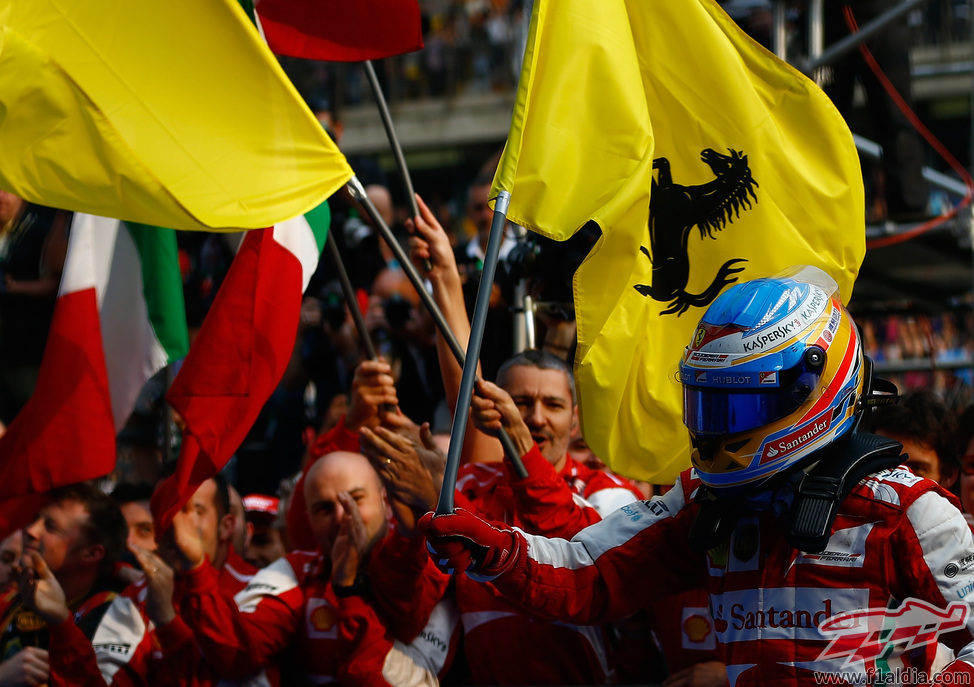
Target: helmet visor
716, 411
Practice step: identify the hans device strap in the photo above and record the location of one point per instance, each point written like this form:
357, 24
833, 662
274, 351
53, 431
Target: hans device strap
840, 467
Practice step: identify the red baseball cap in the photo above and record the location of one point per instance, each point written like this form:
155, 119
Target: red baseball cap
259, 503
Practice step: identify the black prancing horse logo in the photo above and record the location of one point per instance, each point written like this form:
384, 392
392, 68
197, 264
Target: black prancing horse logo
674, 210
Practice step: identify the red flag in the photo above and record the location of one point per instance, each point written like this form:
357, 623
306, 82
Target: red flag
240, 353
348, 31
65, 433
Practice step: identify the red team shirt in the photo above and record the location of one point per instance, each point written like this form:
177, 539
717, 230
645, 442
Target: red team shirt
127, 649
503, 645
896, 536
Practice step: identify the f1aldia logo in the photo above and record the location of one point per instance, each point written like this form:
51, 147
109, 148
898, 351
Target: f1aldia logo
868, 634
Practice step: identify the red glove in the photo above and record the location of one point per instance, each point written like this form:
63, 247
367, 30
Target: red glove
461, 541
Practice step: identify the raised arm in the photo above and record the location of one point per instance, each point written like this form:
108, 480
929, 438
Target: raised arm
428, 241
605, 573
405, 584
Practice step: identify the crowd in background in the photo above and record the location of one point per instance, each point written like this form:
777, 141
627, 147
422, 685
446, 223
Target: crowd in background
475, 46
347, 454
394, 418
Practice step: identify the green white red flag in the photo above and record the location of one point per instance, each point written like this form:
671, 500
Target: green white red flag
240, 354
118, 319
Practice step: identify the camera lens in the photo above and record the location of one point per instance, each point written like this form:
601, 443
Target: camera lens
397, 312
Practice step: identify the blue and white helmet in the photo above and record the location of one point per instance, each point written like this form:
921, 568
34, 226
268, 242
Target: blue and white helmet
774, 373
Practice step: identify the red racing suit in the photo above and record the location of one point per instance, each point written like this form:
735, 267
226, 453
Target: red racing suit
683, 629
127, 649
503, 645
896, 537
338, 638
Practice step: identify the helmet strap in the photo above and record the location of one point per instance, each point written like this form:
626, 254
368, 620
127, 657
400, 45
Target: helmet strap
714, 520
821, 487
839, 468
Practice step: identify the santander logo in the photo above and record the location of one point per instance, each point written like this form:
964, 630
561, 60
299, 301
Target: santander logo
796, 438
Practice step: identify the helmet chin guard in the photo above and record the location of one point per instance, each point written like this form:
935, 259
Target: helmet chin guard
774, 373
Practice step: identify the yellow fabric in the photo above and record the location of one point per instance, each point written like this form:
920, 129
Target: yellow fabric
169, 113
606, 88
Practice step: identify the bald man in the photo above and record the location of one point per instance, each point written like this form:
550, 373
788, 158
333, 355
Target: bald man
328, 605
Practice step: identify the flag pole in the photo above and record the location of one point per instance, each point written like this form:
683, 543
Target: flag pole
384, 113
445, 503
380, 100
349, 292
357, 191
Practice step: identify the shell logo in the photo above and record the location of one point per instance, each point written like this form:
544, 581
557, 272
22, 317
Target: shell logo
697, 628
324, 618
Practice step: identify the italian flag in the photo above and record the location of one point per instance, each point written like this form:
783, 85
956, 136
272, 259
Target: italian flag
241, 351
118, 319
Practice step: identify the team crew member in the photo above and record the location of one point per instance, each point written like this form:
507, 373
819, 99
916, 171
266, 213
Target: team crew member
66, 585
263, 543
790, 517
535, 403
324, 604
373, 389
142, 639
559, 497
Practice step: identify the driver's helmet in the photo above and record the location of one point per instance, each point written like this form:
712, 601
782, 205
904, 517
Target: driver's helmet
773, 373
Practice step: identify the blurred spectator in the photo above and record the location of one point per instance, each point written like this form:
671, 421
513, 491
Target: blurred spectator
404, 334
33, 244
10, 550
498, 342
922, 350
133, 500
925, 427
264, 543
382, 200
965, 444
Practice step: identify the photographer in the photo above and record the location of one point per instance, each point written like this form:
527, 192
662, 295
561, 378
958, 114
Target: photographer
498, 341
404, 334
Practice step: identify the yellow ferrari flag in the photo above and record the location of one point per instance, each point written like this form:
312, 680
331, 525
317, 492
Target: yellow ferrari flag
165, 113
704, 160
